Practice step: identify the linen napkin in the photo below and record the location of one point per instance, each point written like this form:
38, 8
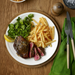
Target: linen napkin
59, 66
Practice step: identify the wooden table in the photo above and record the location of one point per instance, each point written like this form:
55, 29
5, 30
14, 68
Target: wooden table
8, 10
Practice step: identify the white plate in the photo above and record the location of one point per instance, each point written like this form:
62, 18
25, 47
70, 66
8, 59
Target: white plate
49, 50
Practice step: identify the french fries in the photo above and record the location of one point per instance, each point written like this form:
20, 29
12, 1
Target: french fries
35, 21
42, 35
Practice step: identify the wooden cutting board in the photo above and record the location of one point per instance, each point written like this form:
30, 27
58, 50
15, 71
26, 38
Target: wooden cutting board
8, 10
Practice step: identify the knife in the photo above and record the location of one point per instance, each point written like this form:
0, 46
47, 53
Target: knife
71, 33
67, 31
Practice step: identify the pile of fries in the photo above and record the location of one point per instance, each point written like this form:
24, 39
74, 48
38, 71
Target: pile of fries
42, 35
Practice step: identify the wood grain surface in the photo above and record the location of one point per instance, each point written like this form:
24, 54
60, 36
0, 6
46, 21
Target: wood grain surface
7, 11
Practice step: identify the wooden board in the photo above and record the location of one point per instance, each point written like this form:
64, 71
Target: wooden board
7, 11
35, 66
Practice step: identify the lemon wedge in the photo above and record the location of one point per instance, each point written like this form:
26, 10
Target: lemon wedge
8, 38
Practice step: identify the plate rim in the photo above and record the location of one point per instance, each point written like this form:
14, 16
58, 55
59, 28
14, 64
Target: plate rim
59, 41
17, 2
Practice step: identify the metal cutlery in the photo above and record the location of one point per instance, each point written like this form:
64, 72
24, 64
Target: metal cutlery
67, 31
71, 33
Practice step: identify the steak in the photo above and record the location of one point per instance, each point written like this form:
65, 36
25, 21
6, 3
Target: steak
31, 52
37, 56
21, 46
41, 51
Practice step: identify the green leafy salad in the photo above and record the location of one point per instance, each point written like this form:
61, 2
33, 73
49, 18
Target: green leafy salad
21, 27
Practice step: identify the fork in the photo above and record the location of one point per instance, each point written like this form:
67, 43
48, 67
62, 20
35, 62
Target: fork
67, 31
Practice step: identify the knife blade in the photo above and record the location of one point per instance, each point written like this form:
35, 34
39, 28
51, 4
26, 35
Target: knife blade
71, 33
69, 25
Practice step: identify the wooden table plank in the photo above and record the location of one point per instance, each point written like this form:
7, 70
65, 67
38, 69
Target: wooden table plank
8, 10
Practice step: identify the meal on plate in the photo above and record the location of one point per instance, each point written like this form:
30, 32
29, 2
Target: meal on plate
29, 39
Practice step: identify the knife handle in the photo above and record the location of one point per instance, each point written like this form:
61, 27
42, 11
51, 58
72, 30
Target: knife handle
67, 56
72, 41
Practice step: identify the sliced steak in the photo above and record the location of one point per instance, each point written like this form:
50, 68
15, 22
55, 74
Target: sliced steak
31, 52
21, 46
41, 51
36, 57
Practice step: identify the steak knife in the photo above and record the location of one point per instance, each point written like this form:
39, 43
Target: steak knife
71, 33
